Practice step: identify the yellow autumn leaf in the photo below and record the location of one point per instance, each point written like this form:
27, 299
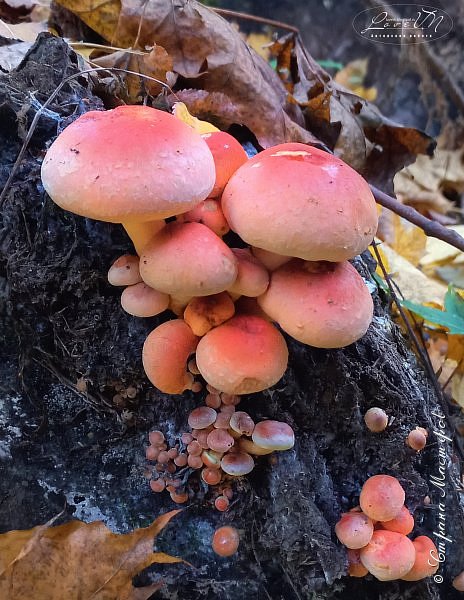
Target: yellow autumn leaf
180, 111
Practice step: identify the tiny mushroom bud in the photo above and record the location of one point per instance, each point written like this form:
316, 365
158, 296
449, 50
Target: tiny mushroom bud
389, 555
125, 271
151, 452
221, 503
211, 476
227, 356
376, 419
225, 541
157, 485
270, 260
188, 259
156, 437
426, 563
237, 464
220, 441
140, 300
355, 566
273, 435
181, 460
213, 400
165, 354
252, 277
458, 582
222, 421
206, 312
354, 530
179, 497
326, 305
402, 523
242, 423
382, 497
417, 439
194, 462
95, 169
211, 459
194, 448
202, 417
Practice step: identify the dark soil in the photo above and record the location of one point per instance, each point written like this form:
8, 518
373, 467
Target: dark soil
61, 323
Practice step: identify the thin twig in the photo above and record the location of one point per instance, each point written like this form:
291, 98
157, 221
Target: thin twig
431, 228
424, 357
224, 12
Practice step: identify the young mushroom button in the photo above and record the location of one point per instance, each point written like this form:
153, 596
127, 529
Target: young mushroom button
133, 165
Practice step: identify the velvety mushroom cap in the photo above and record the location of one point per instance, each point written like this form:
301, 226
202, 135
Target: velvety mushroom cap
354, 530
225, 541
243, 355
228, 156
165, 355
296, 200
209, 213
389, 555
140, 300
376, 419
382, 497
133, 163
325, 305
273, 435
188, 259
426, 563
202, 417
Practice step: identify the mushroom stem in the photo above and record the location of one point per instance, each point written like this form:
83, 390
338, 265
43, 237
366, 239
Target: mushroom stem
142, 232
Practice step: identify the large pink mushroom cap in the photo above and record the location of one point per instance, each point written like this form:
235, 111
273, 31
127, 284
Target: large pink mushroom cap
326, 305
296, 200
133, 163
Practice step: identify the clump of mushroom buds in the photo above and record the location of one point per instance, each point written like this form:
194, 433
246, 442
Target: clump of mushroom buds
222, 445
376, 535
301, 214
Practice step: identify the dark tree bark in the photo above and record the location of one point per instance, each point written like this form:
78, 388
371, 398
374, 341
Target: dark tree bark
61, 322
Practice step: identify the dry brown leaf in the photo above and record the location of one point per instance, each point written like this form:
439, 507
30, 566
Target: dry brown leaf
205, 49
405, 238
422, 184
156, 64
78, 560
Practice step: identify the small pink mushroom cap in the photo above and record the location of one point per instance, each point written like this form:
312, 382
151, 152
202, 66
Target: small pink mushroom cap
325, 305
133, 163
376, 419
225, 541
165, 354
417, 439
355, 566
252, 277
228, 156
243, 355
140, 300
220, 440
188, 259
426, 563
242, 423
458, 582
209, 213
270, 260
125, 271
389, 555
296, 200
354, 530
237, 464
382, 497
402, 523
273, 435
202, 417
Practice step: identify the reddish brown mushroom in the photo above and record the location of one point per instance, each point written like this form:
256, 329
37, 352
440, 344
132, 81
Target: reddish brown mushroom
206, 312
252, 277
165, 354
243, 355
228, 156
225, 541
296, 200
188, 259
273, 435
237, 464
376, 419
95, 169
402, 523
325, 305
389, 555
417, 439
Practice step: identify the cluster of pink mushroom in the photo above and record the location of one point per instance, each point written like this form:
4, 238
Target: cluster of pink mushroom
300, 214
375, 534
222, 443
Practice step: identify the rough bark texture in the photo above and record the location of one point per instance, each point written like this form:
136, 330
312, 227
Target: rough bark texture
61, 321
